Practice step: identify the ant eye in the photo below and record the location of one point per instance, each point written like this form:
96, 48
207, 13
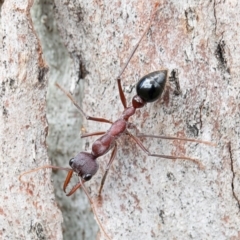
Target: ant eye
87, 177
71, 162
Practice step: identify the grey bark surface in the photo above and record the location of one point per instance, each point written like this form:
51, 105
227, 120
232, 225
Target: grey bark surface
151, 198
64, 121
143, 197
28, 209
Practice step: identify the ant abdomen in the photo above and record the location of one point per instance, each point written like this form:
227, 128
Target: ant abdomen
151, 86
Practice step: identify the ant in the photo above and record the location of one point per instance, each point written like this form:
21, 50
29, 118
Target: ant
149, 89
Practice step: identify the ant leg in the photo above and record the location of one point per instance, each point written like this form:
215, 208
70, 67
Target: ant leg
80, 109
92, 134
139, 143
138, 134
121, 94
93, 208
177, 138
135, 48
107, 168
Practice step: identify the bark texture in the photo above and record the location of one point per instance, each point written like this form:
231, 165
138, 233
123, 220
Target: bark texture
64, 121
146, 197
27, 209
143, 197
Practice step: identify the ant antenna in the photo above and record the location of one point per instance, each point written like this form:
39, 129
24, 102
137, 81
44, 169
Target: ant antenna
43, 167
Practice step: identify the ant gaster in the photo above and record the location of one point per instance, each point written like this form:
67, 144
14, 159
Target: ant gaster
149, 89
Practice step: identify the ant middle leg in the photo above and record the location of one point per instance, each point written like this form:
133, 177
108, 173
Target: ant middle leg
80, 109
139, 143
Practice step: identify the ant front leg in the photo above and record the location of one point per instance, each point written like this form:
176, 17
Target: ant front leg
107, 169
93, 208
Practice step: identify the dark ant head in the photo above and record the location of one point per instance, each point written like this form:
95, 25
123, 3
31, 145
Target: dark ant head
151, 86
85, 165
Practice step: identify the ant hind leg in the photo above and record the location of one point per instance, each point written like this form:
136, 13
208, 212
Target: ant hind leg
139, 143
121, 94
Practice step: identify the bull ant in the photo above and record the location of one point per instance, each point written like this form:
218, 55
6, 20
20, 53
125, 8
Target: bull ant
149, 89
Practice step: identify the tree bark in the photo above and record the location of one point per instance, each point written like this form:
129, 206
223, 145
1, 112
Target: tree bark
143, 197
27, 209
64, 121
152, 198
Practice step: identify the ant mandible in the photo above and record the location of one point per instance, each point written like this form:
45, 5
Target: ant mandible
149, 89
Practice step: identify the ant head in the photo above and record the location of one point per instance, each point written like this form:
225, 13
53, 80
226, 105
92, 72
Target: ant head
151, 86
85, 165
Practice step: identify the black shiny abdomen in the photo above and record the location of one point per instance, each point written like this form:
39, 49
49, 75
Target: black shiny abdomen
151, 86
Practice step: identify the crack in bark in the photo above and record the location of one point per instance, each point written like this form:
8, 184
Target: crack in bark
215, 14
191, 18
233, 175
200, 117
221, 55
